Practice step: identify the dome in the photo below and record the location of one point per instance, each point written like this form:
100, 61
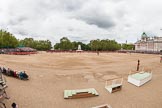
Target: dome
144, 35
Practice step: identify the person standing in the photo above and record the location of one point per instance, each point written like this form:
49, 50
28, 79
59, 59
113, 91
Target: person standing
138, 65
98, 53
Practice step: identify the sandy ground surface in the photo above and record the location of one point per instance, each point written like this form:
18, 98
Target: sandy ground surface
50, 74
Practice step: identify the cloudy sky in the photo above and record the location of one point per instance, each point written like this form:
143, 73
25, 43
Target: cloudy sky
81, 20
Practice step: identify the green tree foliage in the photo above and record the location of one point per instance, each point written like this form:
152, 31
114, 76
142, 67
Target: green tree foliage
83, 46
7, 40
66, 44
27, 42
57, 46
36, 44
104, 45
94, 45
128, 46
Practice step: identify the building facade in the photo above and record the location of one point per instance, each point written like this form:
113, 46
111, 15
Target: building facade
148, 43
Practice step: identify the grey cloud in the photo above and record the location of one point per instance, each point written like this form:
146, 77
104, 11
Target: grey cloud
22, 33
120, 13
12, 22
92, 13
117, 0
81, 19
72, 5
16, 21
70, 29
101, 22
62, 5
127, 25
21, 19
76, 38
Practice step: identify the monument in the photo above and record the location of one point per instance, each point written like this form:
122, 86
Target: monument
79, 48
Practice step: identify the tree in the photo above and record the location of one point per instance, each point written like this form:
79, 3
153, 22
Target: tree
83, 46
128, 46
94, 45
7, 40
65, 44
57, 46
27, 42
36, 44
104, 45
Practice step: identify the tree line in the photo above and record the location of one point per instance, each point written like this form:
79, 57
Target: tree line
8, 40
93, 45
41, 45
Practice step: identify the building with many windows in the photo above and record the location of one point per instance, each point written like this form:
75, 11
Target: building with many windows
147, 43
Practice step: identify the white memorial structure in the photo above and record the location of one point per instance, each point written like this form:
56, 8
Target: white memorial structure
79, 48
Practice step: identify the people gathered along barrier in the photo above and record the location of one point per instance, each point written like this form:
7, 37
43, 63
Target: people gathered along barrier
9, 72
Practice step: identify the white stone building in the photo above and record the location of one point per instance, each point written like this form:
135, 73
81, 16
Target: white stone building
148, 43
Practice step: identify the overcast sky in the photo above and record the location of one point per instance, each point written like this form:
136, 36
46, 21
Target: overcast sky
81, 20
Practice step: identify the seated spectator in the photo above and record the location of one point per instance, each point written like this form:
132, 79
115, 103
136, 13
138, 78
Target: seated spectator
4, 70
11, 73
21, 75
14, 105
15, 74
25, 75
8, 72
1, 69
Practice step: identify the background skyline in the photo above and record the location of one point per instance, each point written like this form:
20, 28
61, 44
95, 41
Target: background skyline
81, 20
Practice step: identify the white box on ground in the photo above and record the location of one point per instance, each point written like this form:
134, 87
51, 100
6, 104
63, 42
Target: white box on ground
140, 78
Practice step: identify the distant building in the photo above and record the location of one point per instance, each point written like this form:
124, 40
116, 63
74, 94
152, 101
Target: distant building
148, 43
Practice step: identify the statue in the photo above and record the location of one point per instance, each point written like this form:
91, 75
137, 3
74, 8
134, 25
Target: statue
79, 48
